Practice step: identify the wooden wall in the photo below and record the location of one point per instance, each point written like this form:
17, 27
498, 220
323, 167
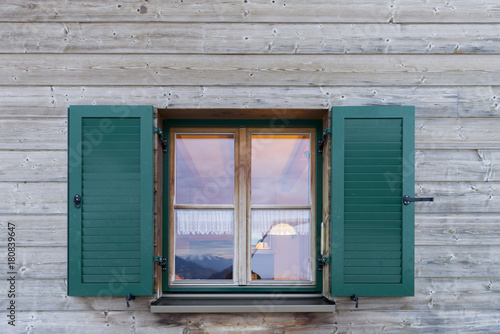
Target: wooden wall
440, 56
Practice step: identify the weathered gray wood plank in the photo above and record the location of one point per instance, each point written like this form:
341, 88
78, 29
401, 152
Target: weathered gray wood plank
457, 229
19, 101
33, 198
457, 165
479, 101
429, 101
430, 261
447, 11
458, 197
51, 295
33, 230
248, 38
23, 111
52, 101
204, 11
430, 133
430, 229
348, 321
449, 197
457, 261
435, 294
255, 70
33, 133
431, 165
34, 166
254, 11
458, 133
430, 294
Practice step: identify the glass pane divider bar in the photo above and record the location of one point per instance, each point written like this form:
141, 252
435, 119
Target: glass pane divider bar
203, 207
281, 207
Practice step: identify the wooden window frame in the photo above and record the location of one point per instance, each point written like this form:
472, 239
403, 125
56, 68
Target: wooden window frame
242, 197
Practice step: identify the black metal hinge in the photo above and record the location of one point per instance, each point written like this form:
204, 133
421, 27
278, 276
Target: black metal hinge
162, 261
322, 261
322, 141
163, 141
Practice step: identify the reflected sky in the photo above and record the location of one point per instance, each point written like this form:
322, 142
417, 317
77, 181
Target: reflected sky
280, 169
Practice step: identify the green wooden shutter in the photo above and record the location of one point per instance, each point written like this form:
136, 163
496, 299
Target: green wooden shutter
372, 231
110, 165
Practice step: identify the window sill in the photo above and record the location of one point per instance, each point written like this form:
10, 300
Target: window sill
240, 303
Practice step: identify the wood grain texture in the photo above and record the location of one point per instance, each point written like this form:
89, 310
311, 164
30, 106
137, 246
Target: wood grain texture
458, 133
430, 229
457, 165
248, 38
52, 101
36, 230
430, 261
457, 229
253, 11
348, 321
430, 294
31, 133
430, 134
34, 166
38, 263
33, 198
435, 294
255, 70
458, 197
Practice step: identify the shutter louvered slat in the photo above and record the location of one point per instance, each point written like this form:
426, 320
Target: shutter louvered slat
130, 132
358, 135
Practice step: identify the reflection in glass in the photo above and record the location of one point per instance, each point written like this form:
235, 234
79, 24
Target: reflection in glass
280, 169
281, 244
204, 169
204, 244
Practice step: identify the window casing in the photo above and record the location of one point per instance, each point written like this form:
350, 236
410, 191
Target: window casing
257, 236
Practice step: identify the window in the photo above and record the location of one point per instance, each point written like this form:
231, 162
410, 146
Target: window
242, 206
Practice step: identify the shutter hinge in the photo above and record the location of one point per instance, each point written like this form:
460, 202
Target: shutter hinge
322, 141
162, 139
162, 261
322, 261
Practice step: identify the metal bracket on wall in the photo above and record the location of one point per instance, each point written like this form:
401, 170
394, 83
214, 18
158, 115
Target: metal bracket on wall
163, 141
407, 199
322, 141
129, 298
356, 299
322, 261
162, 261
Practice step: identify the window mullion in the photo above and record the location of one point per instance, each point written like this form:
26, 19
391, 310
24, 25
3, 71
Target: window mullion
241, 208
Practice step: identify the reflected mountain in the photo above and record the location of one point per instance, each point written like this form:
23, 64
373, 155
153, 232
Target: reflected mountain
202, 267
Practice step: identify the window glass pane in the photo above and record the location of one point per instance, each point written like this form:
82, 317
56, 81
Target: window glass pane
281, 245
204, 244
280, 169
204, 169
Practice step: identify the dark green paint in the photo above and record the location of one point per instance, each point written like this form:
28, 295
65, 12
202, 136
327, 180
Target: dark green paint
372, 231
111, 166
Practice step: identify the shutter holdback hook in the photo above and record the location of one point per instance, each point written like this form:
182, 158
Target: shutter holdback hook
356, 299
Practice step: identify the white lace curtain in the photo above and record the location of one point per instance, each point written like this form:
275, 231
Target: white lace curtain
264, 220
221, 222
204, 222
